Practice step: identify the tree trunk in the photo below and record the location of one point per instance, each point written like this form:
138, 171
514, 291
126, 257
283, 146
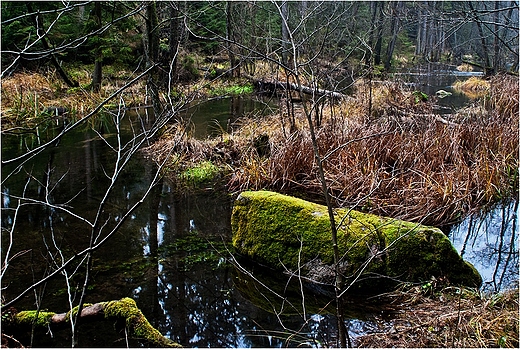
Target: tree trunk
395, 30
379, 35
152, 35
97, 75
233, 63
173, 40
487, 63
273, 85
285, 33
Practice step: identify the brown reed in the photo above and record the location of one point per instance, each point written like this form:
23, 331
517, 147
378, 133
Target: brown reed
391, 156
401, 161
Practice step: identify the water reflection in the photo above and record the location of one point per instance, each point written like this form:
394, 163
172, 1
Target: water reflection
433, 77
489, 241
212, 118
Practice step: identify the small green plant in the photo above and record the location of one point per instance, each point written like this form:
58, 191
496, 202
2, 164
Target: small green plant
202, 172
188, 63
419, 96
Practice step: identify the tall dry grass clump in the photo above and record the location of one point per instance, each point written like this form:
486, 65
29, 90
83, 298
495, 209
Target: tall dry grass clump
390, 156
504, 97
401, 160
473, 84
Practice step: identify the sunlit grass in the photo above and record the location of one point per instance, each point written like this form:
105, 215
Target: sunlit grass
232, 90
474, 86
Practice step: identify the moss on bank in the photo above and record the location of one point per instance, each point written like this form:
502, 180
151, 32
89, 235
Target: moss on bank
286, 232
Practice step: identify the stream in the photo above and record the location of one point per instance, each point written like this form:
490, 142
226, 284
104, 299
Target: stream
172, 255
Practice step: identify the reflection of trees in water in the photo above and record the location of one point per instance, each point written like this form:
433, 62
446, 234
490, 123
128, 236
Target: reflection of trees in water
198, 303
488, 241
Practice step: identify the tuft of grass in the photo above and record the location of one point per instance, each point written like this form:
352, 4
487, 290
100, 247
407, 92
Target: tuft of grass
465, 67
474, 87
232, 90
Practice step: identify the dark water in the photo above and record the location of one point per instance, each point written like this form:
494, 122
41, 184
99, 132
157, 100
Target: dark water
213, 117
172, 255
431, 78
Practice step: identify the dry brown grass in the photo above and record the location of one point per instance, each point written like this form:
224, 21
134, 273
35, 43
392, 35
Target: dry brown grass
399, 160
474, 87
503, 97
453, 317
25, 95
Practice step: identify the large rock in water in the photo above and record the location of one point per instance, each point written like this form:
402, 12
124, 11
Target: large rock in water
284, 232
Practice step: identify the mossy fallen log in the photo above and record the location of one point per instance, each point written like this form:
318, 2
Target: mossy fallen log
125, 309
288, 233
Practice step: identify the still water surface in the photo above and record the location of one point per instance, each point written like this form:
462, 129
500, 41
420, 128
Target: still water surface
172, 255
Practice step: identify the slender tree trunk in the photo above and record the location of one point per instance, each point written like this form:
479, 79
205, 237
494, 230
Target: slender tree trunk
285, 33
395, 7
174, 39
152, 35
487, 63
496, 43
371, 36
235, 68
97, 75
422, 29
379, 34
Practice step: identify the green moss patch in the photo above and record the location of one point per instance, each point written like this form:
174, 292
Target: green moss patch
30, 317
286, 232
202, 172
127, 309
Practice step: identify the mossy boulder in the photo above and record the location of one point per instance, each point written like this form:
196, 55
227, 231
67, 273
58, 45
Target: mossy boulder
288, 233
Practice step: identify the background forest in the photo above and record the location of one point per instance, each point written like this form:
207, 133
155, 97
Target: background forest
129, 36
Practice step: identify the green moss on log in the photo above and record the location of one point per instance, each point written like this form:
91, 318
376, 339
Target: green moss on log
136, 322
30, 317
125, 309
286, 232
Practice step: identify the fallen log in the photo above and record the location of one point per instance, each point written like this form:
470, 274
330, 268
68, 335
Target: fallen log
272, 85
293, 235
125, 309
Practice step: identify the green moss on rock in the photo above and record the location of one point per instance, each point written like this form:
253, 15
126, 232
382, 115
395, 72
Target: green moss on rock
286, 232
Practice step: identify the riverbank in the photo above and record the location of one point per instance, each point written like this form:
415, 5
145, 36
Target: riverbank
429, 316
